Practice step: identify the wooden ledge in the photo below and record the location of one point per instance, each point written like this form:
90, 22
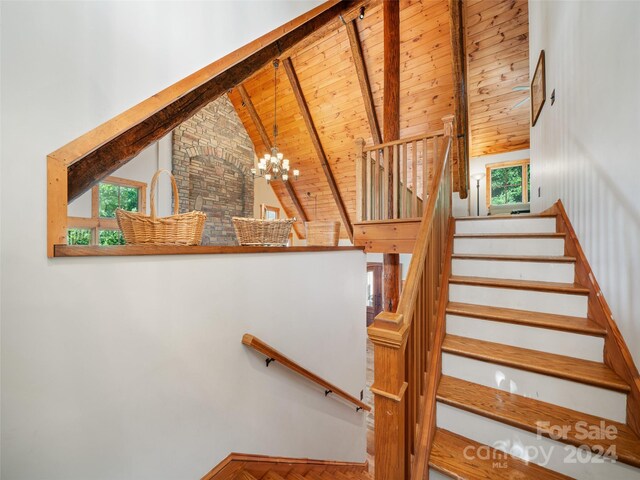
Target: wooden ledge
134, 250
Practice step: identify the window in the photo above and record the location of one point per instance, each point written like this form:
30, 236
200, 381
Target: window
267, 212
106, 197
508, 183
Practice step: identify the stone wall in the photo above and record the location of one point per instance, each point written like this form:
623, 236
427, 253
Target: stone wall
212, 160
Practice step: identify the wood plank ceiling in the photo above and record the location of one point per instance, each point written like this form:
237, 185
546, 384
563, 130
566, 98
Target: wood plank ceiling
497, 61
329, 82
327, 74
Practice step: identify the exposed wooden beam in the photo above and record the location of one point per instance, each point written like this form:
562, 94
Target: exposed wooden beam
315, 139
391, 105
255, 118
458, 51
363, 79
103, 150
391, 116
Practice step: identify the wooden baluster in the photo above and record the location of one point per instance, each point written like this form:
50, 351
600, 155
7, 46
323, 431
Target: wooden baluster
425, 171
385, 184
396, 182
376, 185
361, 175
414, 174
405, 210
369, 187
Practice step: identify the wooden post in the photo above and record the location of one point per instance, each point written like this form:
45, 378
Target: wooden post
56, 204
456, 9
391, 110
361, 172
389, 336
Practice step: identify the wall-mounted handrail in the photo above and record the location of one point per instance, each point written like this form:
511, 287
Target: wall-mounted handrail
274, 355
405, 341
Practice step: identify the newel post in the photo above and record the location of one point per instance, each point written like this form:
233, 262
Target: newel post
360, 179
389, 336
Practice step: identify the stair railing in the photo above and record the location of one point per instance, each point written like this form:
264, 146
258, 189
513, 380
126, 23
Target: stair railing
392, 178
403, 341
274, 355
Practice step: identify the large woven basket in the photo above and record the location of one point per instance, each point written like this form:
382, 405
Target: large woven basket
322, 233
266, 233
138, 228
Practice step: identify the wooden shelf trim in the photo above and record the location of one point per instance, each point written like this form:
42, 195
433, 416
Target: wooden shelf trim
266, 349
569, 368
527, 413
136, 250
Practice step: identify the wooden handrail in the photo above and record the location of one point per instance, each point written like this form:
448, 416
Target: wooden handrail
422, 136
408, 297
274, 355
406, 341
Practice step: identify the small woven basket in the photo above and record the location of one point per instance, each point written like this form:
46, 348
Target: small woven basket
138, 228
265, 233
322, 233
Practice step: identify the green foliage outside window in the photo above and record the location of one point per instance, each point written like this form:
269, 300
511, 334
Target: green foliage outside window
111, 237
116, 196
78, 236
506, 185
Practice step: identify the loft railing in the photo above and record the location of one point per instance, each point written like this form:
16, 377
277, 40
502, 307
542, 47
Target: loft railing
392, 179
274, 355
404, 341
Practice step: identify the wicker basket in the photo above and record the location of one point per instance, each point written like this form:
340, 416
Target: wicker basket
138, 228
265, 233
322, 233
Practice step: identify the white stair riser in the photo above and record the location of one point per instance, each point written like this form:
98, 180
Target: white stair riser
509, 246
543, 451
597, 401
544, 302
507, 225
516, 270
544, 340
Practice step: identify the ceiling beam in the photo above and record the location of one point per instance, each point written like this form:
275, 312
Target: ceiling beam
363, 79
100, 152
315, 139
255, 118
458, 52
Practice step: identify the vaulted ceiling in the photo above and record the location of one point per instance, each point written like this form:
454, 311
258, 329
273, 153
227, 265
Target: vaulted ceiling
497, 60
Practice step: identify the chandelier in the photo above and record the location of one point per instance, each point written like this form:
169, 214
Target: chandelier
273, 166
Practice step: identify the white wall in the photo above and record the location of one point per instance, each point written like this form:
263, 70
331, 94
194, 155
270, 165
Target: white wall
141, 168
121, 368
468, 206
584, 148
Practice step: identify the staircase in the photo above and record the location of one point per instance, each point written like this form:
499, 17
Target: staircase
523, 367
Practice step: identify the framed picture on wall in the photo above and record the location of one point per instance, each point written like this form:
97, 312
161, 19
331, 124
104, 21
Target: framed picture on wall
538, 90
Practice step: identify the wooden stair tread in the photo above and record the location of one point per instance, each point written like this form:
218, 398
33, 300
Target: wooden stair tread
553, 287
508, 217
526, 413
569, 368
509, 235
514, 258
271, 475
448, 457
524, 317
243, 475
295, 476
